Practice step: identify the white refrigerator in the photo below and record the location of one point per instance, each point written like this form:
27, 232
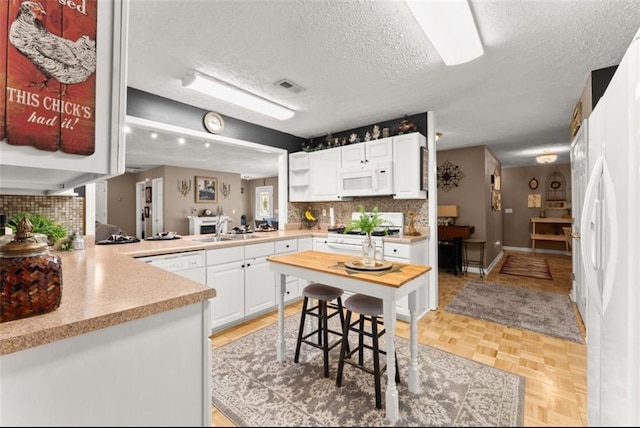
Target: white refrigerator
610, 240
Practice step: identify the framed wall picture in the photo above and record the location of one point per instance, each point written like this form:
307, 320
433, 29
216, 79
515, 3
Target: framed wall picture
146, 212
206, 190
147, 195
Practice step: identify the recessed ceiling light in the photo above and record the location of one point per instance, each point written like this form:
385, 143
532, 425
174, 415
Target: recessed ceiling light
153, 134
206, 144
127, 129
181, 140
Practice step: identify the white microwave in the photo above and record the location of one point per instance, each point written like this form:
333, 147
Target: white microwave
371, 180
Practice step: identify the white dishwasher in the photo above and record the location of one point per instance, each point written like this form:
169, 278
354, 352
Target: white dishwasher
189, 264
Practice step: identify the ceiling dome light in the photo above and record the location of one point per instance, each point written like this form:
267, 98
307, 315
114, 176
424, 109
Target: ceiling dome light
547, 157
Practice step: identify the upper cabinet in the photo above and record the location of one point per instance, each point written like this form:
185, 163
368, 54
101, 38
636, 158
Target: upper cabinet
360, 155
299, 177
394, 166
324, 167
69, 132
410, 166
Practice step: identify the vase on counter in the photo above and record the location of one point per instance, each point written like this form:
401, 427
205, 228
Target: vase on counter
368, 252
31, 276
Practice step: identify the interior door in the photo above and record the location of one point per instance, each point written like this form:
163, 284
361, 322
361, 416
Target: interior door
579, 176
140, 203
157, 207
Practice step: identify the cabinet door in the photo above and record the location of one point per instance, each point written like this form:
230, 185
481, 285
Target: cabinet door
324, 167
352, 155
228, 281
379, 150
407, 172
260, 286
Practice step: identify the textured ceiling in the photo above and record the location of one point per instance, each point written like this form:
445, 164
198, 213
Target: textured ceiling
366, 61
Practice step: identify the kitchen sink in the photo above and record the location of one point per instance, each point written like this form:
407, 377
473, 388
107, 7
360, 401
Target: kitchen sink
215, 239
229, 237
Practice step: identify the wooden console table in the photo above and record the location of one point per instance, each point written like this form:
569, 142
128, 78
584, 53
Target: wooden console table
559, 222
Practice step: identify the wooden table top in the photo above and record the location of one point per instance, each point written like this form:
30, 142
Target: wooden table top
326, 262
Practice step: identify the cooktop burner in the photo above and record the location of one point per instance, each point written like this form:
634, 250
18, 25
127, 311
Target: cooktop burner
383, 232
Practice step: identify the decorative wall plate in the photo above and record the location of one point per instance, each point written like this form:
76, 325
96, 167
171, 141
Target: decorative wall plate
533, 184
449, 176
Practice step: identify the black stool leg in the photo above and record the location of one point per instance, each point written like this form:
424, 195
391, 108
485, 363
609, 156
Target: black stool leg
376, 361
343, 348
325, 336
361, 341
301, 329
340, 309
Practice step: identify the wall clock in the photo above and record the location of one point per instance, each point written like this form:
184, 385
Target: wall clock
533, 184
213, 122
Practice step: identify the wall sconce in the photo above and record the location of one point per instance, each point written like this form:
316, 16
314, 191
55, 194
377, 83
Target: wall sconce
546, 157
226, 189
184, 187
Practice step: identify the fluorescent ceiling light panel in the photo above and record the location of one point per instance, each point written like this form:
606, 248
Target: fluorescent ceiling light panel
450, 27
217, 89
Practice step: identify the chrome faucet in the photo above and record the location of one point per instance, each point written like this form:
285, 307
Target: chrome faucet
220, 221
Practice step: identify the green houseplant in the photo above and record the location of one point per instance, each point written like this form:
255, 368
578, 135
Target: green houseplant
366, 223
41, 224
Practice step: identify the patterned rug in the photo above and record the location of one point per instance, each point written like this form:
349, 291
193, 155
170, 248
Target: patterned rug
547, 313
252, 389
526, 266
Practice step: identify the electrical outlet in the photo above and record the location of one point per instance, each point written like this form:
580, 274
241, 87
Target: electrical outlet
324, 212
508, 210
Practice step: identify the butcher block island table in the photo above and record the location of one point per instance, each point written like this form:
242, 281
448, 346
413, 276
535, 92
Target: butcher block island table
399, 281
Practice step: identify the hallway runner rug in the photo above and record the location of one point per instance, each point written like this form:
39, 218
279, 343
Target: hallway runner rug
252, 389
547, 313
526, 266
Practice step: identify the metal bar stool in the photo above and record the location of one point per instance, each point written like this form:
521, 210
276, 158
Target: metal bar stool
480, 261
370, 310
324, 295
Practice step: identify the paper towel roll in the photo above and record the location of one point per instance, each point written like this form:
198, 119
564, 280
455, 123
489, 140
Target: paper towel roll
332, 219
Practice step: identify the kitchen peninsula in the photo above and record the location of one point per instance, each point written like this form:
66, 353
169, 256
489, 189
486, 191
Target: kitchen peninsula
129, 344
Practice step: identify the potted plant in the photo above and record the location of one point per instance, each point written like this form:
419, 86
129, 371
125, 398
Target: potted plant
367, 223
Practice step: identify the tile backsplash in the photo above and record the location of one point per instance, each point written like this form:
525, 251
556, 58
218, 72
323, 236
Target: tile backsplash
67, 210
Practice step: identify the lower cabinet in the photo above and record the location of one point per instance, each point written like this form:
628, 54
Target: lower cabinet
225, 273
409, 253
259, 281
244, 283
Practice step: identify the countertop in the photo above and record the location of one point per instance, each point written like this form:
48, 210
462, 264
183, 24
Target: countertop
104, 285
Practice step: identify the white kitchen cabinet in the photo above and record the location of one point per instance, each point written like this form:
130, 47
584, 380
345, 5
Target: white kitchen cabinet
291, 288
415, 253
369, 152
259, 281
408, 164
225, 274
299, 177
27, 170
324, 169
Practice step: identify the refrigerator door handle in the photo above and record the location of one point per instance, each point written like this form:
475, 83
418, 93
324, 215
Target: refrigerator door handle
592, 225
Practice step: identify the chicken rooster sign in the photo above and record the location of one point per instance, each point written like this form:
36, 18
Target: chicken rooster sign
50, 68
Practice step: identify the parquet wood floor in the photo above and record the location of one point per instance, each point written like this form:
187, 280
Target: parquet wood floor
555, 369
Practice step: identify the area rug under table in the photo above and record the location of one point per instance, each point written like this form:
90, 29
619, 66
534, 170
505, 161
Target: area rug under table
547, 313
526, 266
253, 389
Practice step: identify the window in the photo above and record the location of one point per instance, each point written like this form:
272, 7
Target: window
264, 202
